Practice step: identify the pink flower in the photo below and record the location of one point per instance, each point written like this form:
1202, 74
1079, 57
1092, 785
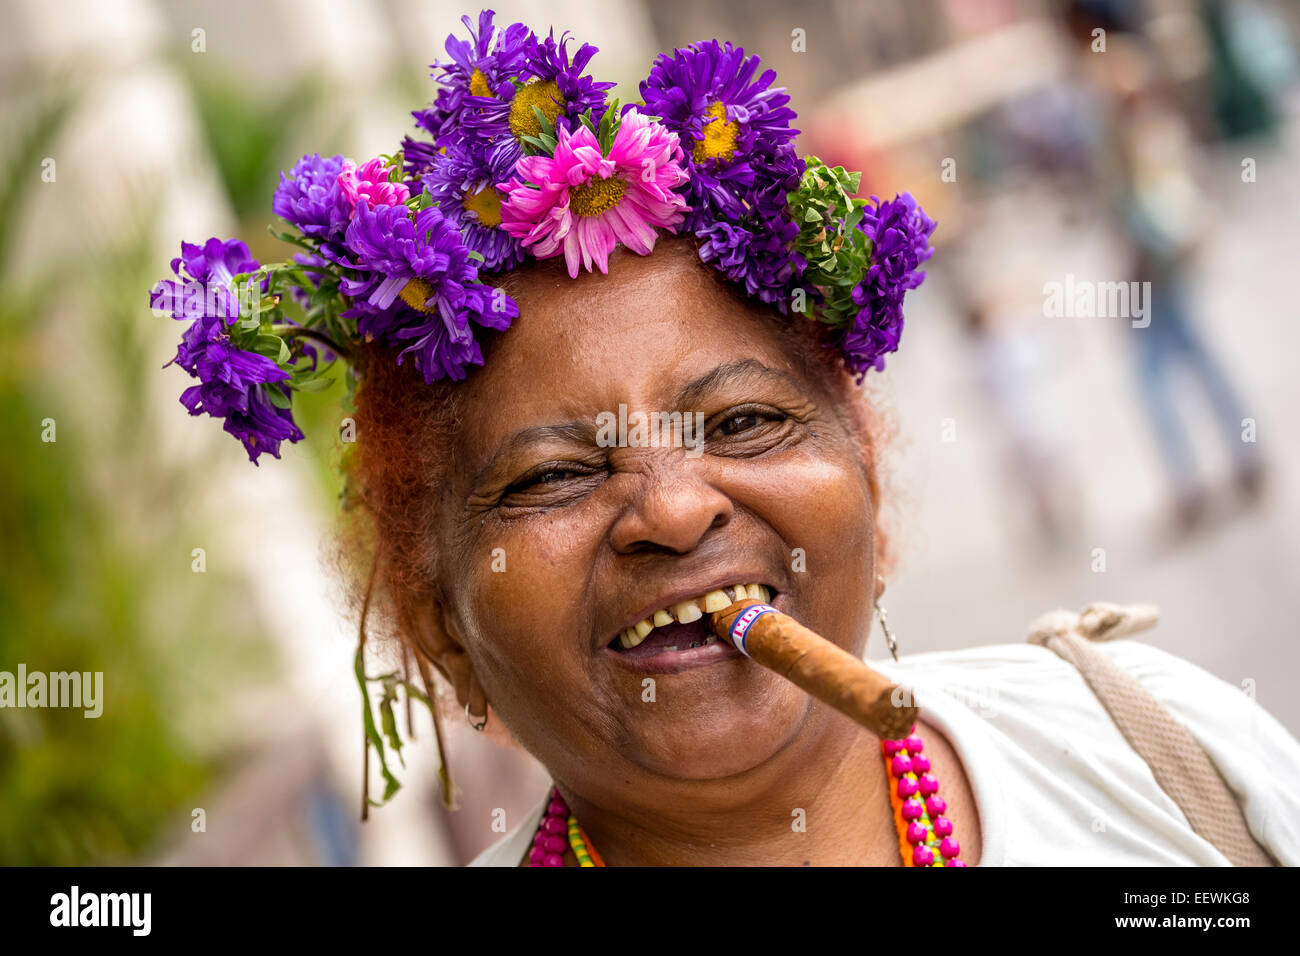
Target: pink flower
584, 203
370, 182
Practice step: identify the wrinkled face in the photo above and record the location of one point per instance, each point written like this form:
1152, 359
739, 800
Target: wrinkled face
561, 531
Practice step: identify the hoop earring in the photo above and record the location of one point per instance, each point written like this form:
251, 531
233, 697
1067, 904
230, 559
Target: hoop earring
477, 723
884, 626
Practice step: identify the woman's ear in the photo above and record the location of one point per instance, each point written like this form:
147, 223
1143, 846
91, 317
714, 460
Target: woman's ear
436, 638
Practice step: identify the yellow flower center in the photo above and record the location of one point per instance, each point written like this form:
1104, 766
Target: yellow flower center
486, 204
415, 293
478, 84
542, 94
594, 197
719, 141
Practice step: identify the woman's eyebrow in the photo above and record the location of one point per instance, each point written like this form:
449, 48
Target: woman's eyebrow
574, 431
732, 373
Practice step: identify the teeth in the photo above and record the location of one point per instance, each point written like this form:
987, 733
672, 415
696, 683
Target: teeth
716, 601
687, 611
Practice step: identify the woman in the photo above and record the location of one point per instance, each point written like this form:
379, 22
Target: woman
521, 532
728, 763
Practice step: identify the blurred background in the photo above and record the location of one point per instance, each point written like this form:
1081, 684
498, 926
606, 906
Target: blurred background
1041, 459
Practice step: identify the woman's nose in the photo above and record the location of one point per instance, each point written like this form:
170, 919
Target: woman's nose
673, 508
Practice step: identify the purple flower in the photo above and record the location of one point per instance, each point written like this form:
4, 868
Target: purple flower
708, 95
460, 181
736, 133
554, 83
250, 415
309, 197
203, 295
418, 287
758, 259
899, 231
232, 381
484, 66
418, 157
481, 67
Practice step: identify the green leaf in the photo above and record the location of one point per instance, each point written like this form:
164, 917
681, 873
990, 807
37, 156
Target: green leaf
391, 783
313, 384
278, 398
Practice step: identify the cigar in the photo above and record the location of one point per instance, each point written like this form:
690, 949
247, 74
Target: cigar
823, 669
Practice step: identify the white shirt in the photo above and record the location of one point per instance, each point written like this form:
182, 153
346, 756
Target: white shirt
1055, 782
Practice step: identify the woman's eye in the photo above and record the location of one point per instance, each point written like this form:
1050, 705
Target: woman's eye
548, 482
740, 423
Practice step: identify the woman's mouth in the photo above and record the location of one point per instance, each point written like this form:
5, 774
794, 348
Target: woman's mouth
682, 627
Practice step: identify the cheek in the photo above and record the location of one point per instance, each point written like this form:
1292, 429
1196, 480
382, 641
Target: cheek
820, 506
819, 503
524, 599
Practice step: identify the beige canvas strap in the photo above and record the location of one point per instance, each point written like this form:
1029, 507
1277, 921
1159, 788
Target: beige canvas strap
1179, 764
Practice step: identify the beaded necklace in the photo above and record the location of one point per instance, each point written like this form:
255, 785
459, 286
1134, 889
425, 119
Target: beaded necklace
924, 833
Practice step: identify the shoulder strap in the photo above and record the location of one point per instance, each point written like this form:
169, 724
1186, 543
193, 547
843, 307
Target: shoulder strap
1180, 765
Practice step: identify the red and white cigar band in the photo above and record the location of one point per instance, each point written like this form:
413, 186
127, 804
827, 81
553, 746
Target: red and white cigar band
744, 621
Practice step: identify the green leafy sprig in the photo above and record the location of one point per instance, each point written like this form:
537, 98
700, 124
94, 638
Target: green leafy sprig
837, 251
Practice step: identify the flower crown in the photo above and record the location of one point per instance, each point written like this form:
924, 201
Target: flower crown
525, 156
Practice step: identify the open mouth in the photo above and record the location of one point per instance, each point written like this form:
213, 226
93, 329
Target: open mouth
683, 626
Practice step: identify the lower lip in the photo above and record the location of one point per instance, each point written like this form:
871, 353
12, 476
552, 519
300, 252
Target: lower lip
672, 662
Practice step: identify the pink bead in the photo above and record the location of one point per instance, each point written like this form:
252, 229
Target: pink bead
917, 833
922, 856
912, 809
942, 826
553, 859
914, 744
540, 837
949, 848
921, 763
935, 805
557, 809
536, 855
891, 747
929, 784
907, 786
956, 863
902, 764
554, 825
554, 844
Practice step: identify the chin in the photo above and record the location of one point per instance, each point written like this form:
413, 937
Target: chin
720, 735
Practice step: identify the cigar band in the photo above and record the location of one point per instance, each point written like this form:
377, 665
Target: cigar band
744, 621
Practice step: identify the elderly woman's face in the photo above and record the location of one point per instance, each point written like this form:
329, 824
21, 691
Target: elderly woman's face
555, 543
